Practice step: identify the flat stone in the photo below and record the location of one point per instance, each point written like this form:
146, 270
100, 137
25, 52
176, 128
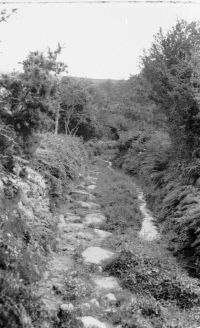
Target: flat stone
90, 322
106, 282
103, 233
94, 219
96, 255
67, 307
110, 297
91, 187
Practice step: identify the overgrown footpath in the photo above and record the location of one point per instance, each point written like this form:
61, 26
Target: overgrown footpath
163, 295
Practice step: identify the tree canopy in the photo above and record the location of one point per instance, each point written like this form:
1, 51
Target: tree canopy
170, 67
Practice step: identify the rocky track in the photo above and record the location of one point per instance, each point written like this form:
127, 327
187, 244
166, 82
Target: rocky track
74, 284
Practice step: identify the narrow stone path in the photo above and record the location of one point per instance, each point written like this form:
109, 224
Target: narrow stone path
74, 281
148, 231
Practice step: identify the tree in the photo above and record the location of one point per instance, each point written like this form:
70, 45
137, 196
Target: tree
170, 70
74, 105
30, 98
41, 73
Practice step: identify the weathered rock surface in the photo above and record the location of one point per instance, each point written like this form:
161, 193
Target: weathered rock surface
91, 187
90, 322
67, 307
94, 219
96, 255
106, 282
110, 298
102, 233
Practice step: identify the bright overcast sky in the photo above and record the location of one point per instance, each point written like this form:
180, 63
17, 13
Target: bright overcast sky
100, 40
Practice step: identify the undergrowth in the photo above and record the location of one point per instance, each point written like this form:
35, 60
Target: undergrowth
163, 295
62, 160
171, 185
118, 200
28, 224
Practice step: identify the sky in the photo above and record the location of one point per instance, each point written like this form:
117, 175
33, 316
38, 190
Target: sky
102, 40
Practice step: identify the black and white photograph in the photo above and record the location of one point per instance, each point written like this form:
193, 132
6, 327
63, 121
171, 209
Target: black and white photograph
100, 164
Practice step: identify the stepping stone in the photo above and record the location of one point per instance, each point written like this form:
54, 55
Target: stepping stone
103, 233
106, 282
94, 219
96, 255
67, 307
91, 187
90, 322
110, 297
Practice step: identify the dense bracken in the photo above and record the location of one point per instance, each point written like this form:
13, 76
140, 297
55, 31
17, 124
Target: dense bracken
163, 295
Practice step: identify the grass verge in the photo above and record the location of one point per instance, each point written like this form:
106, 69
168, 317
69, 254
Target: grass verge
163, 295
